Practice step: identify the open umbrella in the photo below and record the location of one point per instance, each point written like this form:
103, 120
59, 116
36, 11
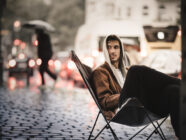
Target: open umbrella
38, 24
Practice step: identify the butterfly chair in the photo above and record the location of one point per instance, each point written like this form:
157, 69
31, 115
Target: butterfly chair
132, 112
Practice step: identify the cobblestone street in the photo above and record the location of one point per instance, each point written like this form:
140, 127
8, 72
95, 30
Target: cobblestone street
58, 114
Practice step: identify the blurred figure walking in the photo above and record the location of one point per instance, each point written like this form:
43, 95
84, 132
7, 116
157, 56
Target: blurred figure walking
44, 53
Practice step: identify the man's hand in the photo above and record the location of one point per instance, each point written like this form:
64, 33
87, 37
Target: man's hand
127, 68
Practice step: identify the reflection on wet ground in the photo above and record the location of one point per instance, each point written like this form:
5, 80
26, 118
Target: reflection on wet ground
20, 81
57, 114
59, 111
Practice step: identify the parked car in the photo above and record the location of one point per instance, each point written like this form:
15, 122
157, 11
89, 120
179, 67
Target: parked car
20, 65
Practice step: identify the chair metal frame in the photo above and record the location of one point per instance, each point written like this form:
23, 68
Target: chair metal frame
83, 69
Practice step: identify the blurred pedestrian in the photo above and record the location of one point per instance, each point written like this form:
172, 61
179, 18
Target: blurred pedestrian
44, 53
114, 83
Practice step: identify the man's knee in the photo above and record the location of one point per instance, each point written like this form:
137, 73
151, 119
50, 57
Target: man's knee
136, 68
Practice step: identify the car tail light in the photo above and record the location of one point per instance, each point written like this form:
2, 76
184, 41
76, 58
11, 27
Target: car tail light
12, 63
36, 43
17, 42
31, 63
21, 56
50, 62
71, 65
38, 61
23, 45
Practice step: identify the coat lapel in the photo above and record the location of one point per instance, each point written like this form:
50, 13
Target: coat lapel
110, 71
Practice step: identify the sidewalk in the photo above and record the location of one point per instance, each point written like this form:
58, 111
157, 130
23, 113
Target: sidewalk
56, 115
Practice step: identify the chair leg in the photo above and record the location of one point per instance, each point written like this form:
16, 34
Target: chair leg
161, 130
159, 126
100, 131
112, 131
138, 132
94, 125
156, 128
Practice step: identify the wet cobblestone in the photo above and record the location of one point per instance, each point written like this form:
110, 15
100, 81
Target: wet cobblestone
27, 114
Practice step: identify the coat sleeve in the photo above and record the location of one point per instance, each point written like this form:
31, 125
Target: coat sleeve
106, 97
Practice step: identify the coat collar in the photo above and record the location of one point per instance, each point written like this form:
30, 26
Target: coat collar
106, 65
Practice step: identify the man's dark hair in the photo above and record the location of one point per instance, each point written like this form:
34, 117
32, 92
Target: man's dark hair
113, 38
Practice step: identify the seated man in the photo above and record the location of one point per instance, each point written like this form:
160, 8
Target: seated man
113, 84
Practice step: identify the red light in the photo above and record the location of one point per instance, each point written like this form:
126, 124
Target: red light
179, 75
17, 42
70, 85
12, 83
36, 43
63, 74
21, 84
23, 45
50, 62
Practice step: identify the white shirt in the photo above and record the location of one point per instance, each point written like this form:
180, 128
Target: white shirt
121, 78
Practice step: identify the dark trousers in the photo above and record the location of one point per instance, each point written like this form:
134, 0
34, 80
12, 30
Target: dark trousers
158, 92
44, 68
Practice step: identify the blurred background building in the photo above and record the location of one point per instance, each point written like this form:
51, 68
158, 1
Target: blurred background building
144, 11
145, 26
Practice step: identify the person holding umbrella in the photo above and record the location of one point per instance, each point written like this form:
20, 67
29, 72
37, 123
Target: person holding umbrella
44, 53
44, 45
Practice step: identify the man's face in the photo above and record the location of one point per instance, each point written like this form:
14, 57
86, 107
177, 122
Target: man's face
113, 48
